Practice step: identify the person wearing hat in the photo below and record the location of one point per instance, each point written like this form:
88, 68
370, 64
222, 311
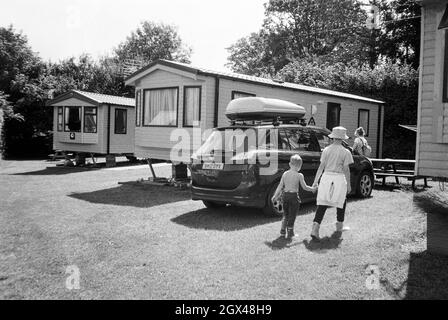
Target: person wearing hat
334, 175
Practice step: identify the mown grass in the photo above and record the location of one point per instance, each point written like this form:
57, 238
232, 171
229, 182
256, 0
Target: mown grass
155, 243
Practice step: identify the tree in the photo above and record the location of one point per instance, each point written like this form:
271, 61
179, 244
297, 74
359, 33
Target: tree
400, 38
249, 55
395, 84
153, 41
331, 31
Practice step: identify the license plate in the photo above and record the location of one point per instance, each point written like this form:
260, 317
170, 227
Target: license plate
213, 166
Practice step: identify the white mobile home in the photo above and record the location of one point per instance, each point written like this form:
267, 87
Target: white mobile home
173, 95
93, 123
432, 120
432, 135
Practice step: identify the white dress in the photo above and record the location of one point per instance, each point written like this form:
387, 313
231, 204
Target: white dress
332, 190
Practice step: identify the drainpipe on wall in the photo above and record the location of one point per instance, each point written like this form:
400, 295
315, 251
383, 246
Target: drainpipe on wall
215, 116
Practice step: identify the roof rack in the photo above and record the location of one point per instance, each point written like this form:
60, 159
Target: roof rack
275, 121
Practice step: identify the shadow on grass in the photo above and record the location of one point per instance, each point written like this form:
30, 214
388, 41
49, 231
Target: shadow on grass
325, 243
60, 170
427, 276
279, 243
144, 196
224, 219
231, 218
432, 202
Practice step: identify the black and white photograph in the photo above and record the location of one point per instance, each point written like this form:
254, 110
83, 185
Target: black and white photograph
223, 155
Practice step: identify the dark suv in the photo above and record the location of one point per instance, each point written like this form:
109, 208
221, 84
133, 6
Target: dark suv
242, 181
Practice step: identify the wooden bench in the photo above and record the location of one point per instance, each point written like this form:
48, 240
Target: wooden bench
388, 168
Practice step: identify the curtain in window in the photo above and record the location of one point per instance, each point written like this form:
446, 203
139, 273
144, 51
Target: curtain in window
73, 119
192, 106
160, 107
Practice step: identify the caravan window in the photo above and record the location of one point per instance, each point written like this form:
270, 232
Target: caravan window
138, 107
333, 115
120, 121
160, 107
90, 119
192, 105
72, 119
363, 120
240, 94
60, 118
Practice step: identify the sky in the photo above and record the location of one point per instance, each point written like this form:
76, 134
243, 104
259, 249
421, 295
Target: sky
66, 28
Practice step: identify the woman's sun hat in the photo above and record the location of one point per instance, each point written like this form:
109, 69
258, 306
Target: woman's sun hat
338, 133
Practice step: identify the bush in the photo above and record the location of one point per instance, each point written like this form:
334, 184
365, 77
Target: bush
394, 83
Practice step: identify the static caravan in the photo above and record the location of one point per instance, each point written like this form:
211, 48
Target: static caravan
92, 123
432, 120
171, 95
432, 135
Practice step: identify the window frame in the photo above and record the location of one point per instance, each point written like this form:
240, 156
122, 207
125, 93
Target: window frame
241, 92
84, 119
80, 118
138, 108
184, 104
143, 108
333, 105
60, 126
368, 121
125, 120
445, 70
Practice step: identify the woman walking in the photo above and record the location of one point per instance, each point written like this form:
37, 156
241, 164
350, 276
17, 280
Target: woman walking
335, 182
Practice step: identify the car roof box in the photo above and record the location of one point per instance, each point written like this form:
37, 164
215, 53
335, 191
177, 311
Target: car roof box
258, 108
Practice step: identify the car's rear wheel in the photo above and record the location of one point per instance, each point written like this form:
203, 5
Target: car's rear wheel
273, 209
213, 205
365, 185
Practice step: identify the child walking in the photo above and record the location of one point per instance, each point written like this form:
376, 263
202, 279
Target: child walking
288, 189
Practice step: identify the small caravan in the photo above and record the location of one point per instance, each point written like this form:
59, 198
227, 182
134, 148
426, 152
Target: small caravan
93, 123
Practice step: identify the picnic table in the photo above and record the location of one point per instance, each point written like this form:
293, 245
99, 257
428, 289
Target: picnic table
397, 168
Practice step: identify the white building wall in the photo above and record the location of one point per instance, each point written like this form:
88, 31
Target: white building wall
349, 108
155, 142
432, 141
122, 143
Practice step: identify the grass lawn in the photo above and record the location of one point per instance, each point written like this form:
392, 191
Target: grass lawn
148, 242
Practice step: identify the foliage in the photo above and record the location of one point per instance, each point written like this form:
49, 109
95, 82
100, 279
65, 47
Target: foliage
395, 84
299, 29
29, 83
152, 41
400, 39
